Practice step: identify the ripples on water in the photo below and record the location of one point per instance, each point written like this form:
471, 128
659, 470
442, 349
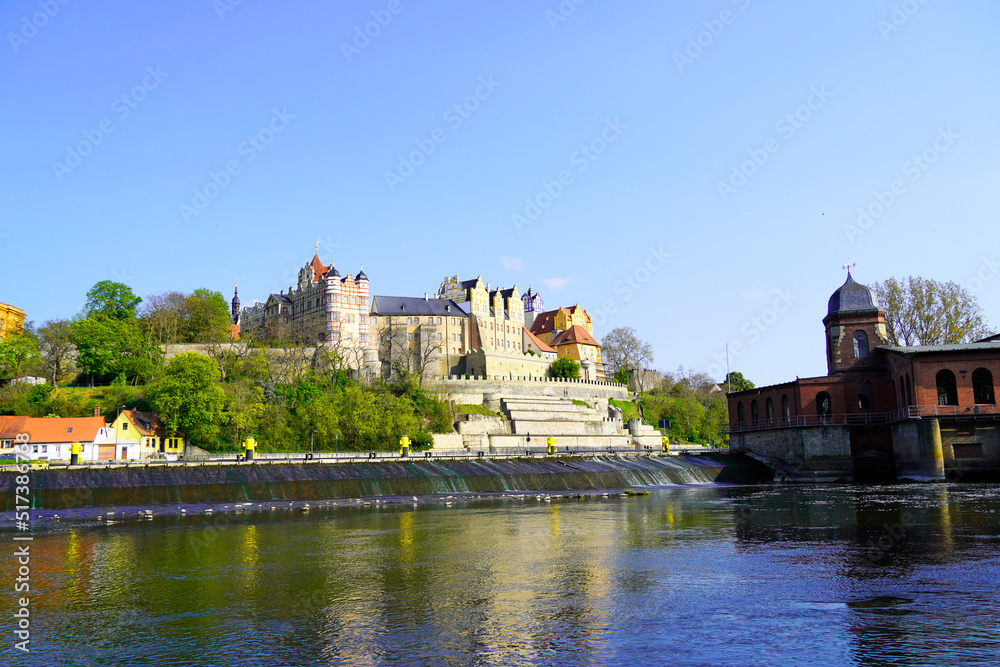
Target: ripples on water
900, 575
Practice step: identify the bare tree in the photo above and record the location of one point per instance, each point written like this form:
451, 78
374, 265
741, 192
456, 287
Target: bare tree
623, 350
55, 345
921, 311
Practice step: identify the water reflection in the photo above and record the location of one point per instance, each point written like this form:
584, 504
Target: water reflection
835, 575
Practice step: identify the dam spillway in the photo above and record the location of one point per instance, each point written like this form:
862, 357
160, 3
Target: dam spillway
188, 484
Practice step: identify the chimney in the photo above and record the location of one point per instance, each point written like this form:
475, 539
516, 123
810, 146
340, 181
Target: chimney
425, 296
97, 412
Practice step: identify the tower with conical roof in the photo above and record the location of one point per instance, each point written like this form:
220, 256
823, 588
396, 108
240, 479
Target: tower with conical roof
236, 303
855, 325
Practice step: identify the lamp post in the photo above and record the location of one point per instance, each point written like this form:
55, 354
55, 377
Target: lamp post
117, 428
311, 433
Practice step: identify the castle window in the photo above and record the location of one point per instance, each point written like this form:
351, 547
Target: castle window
739, 412
824, 407
947, 389
860, 345
982, 387
769, 409
430, 320
754, 411
785, 408
865, 397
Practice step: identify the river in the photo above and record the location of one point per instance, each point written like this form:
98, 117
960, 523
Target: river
707, 575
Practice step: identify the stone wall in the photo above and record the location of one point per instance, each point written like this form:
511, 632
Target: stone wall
480, 391
486, 364
819, 449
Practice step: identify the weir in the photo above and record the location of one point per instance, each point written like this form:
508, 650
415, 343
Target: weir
64, 489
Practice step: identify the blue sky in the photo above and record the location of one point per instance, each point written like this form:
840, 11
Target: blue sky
692, 170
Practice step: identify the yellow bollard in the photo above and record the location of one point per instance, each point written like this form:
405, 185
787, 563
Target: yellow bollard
665, 441
552, 445
74, 453
248, 446
404, 447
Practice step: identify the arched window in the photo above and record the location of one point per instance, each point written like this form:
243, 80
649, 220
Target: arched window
982, 387
909, 390
754, 411
860, 345
824, 407
865, 397
739, 412
769, 408
947, 389
786, 410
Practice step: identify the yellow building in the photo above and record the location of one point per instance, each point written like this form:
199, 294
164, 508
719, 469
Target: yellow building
577, 343
546, 325
496, 316
11, 319
145, 429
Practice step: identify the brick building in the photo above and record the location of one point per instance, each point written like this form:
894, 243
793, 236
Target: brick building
917, 412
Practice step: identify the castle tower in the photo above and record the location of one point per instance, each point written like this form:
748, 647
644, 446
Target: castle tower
855, 325
532, 306
332, 305
236, 304
362, 281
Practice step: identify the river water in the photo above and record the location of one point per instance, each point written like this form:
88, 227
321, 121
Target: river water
764, 575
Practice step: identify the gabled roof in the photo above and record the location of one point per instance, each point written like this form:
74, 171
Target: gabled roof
146, 423
383, 306
537, 342
544, 322
280, 298
575, 334
11, 426
63, 429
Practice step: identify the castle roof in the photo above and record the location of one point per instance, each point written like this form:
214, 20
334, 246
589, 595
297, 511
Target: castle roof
538, 342
575, 334
414, 305
852, 297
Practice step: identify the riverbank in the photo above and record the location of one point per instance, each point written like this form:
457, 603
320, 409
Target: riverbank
182, 485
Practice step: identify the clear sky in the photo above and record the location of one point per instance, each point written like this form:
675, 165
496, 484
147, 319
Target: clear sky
694, 170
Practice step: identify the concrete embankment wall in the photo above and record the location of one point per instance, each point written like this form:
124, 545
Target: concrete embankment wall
61, 489
491, 390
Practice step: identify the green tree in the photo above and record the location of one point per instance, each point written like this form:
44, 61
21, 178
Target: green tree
188, 399
112, 300
922, 311
17, 349
56, 350
736, 382
565, 367
109, 348
206, 317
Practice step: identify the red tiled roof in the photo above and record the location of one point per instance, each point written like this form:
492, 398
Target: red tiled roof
11, 426
63, 429
575, 334
544, 322
146, 423
538, 342
318, 269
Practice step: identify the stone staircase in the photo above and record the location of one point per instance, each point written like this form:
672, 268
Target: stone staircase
543, 416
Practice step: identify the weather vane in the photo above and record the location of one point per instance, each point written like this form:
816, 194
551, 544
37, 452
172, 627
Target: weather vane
849, 265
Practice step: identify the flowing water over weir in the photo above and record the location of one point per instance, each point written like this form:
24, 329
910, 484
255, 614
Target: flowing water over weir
62, 489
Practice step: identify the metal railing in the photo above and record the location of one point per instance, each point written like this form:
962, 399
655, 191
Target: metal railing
864, 418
